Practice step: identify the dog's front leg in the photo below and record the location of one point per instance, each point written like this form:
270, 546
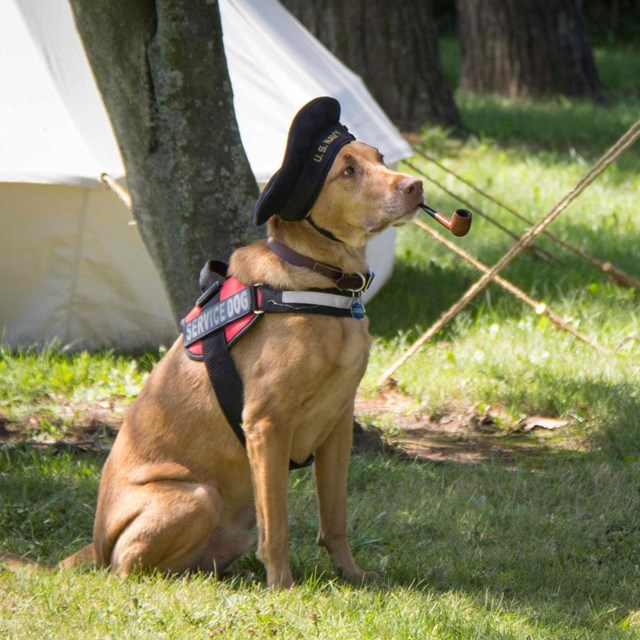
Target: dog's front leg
268, 452
331, 472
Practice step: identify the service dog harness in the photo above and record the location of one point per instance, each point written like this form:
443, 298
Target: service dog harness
228, 308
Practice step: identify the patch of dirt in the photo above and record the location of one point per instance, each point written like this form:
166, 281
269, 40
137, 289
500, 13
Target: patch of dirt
461, 435
89, 426
388, 422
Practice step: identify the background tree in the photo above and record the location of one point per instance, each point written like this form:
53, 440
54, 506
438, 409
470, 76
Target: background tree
161, 68
613, 20
393, 47
522, 48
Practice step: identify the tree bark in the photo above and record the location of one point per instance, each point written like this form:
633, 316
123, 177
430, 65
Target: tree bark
523, 48
161, 68
393, 47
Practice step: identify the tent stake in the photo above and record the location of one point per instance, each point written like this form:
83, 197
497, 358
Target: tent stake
539, 307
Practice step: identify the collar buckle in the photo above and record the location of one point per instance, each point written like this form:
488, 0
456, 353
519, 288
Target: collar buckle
355, 282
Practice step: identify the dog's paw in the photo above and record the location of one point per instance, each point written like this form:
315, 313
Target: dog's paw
282, 585
369, 577
279, 580
360, 577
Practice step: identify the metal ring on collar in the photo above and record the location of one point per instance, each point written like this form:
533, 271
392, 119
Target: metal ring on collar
364, 284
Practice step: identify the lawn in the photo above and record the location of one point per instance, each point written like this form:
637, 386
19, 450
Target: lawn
488, 529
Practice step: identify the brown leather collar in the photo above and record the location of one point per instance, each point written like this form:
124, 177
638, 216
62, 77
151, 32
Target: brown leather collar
352, 282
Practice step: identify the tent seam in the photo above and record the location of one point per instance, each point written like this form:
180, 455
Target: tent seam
77, 256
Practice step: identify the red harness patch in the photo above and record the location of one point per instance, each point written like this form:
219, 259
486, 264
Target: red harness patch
234, 329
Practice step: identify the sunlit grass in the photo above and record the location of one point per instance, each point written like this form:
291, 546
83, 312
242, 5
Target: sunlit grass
498, 351
39, 380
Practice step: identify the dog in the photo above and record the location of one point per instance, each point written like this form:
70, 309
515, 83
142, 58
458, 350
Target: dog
179, 492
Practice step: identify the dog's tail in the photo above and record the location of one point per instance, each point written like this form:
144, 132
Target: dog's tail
85, 556
12, 562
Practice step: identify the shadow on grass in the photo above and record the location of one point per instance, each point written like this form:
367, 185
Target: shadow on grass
555, 541
47, 501
414, 298
552, 533
559, 543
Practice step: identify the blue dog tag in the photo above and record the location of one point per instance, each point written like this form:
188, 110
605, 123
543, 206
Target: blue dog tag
357, 310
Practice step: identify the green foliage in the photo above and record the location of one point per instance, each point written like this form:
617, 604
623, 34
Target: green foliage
618, 66
498, 352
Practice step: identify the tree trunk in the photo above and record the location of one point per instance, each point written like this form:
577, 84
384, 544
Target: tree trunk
522, 48
393, 47
161, 69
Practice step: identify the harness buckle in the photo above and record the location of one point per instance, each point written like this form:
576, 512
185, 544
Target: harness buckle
255, 299
208, 294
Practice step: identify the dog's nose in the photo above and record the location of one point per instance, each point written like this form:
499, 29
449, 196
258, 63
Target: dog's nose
410, 186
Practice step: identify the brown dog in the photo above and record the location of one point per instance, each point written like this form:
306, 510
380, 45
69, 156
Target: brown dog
178, 491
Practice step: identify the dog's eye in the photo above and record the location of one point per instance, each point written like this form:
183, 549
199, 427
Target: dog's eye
349, 171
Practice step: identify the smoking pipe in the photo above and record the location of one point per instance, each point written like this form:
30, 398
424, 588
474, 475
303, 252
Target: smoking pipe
460, 221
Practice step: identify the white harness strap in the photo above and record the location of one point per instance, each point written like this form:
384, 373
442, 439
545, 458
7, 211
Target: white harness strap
316, 298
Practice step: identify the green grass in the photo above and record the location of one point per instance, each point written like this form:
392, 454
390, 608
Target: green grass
556, 123
542, 543
38, 380
477, 551
618, 66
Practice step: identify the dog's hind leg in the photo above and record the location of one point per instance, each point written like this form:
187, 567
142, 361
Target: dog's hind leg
169, 530
229, 542
331, 472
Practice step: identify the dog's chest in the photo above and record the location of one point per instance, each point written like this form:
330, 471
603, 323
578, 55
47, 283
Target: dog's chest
323, 390
301, 374
332, 370
334, 347
352, 350
303, 359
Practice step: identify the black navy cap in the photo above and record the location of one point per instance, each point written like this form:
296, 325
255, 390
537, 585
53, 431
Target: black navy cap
315, 137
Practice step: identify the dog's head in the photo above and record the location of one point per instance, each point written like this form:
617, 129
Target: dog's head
361, 196
342, 187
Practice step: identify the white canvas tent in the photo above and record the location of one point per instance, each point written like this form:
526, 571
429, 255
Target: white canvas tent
72, 267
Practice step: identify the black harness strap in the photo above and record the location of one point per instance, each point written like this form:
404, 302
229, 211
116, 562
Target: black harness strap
225, 380
223, 375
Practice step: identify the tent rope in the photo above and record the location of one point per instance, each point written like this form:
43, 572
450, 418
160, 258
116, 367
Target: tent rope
539, 307
628, 139
619, 276
121, 192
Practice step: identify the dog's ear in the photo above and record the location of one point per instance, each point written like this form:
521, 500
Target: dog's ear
315, 137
